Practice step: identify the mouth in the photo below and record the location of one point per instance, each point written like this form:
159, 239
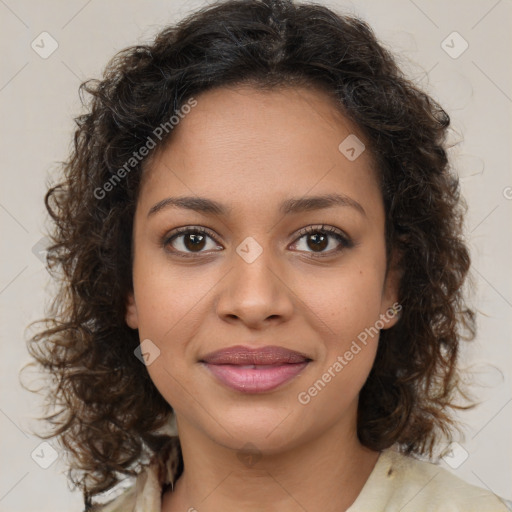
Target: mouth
255, 370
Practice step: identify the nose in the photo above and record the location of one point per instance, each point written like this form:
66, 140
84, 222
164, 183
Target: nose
255, 293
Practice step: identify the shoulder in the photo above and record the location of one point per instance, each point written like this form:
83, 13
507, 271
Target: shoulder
144, 495
125, 502
401, 482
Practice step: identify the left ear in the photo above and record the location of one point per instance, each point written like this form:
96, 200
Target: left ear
131, 316
390, 306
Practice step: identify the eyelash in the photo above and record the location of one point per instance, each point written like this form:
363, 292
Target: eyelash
345, 242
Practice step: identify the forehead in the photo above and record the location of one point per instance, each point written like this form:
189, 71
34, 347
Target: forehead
241, 143
245, 117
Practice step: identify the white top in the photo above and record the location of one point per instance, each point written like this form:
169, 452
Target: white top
397, 483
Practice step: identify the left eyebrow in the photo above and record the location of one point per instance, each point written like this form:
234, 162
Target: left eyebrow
305, 204
287, 207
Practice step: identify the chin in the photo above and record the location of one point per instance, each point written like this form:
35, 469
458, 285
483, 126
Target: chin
270, 430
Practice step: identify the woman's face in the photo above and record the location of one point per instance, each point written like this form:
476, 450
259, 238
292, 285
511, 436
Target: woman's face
255, 277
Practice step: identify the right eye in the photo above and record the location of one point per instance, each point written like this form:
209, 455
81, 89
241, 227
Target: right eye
188, 241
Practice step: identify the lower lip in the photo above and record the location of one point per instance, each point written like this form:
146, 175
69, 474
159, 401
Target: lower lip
255, 380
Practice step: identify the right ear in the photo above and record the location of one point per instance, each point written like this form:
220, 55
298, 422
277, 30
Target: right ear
131, 317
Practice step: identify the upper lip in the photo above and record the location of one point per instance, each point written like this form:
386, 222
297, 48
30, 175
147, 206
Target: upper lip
269, 355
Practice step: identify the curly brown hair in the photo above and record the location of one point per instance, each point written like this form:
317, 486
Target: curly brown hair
109, 410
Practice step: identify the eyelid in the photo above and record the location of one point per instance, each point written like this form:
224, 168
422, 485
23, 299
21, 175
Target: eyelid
331, 230
344, 240
191, 228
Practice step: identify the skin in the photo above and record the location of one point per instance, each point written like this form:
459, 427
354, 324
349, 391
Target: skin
250, 150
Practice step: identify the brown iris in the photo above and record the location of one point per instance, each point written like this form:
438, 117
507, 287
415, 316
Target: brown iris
316, 240
194, 241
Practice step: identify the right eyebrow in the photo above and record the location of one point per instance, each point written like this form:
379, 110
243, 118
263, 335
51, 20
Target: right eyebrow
198, 204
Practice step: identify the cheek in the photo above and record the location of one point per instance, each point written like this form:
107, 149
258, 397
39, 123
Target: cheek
349, 307
346, 302
166, 300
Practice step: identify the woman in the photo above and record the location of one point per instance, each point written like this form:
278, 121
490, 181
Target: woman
260, 241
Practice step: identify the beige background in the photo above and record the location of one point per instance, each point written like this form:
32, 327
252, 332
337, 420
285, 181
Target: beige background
38, 100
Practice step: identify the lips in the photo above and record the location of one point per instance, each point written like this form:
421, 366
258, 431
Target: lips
255, 370
244, 356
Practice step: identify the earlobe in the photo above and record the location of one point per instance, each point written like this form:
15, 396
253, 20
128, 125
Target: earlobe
391, 315
391, 307
131, 316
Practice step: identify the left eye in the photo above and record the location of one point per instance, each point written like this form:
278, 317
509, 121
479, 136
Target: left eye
321, 240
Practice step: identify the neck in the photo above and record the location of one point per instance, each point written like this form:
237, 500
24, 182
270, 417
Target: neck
324, 474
